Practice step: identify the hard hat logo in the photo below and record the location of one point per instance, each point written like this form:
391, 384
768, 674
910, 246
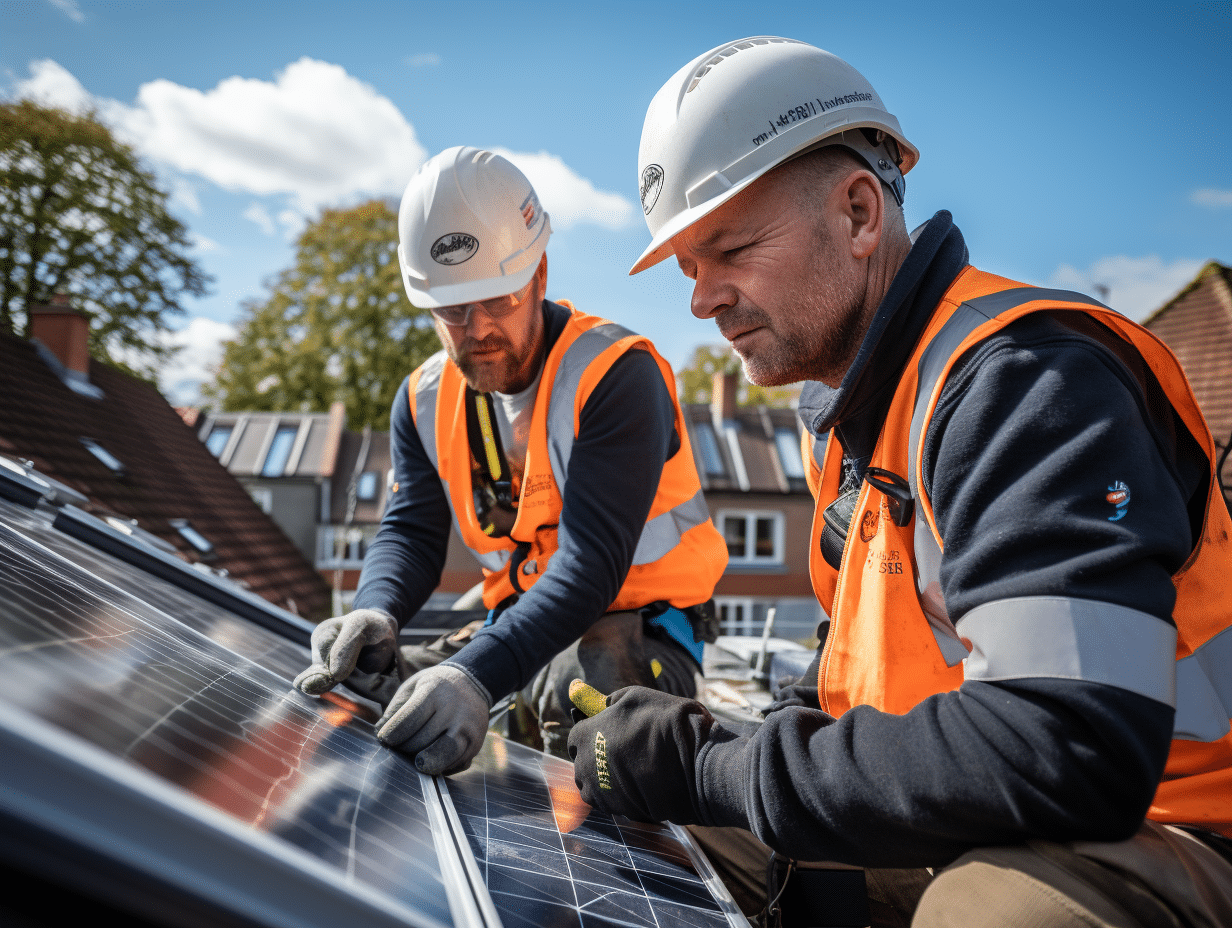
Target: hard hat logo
531, 209
454, 248
652, 183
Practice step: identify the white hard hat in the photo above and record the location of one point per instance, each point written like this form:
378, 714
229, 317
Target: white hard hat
732, 114
470, 228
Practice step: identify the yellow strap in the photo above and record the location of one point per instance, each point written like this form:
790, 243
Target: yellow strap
489, 442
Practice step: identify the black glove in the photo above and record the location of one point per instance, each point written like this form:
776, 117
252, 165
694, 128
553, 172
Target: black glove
638, 756
803, 692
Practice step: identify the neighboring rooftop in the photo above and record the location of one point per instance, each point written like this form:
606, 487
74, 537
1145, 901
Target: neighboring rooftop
114, 439
750, 449
1197, 325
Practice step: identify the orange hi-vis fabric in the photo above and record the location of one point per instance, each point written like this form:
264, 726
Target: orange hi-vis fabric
891, 643
680, 554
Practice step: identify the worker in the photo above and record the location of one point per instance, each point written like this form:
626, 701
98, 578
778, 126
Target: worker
1021, 704
552, 440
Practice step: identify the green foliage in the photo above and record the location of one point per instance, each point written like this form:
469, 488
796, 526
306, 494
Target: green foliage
337, 325
80, 215
696, 382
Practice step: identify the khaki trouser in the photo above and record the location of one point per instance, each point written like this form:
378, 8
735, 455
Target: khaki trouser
616, 651
1163, 877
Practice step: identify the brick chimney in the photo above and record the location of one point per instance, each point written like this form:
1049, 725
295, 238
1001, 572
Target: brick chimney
64, 331
723, 397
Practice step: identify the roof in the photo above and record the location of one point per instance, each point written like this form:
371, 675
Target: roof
755, 450
1197, 325
131, 455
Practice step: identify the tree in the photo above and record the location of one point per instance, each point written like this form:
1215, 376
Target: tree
696, 382
81, 216
337, 325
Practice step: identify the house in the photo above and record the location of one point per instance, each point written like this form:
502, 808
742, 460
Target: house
326, 486
748, 458
122, 453
1197, 325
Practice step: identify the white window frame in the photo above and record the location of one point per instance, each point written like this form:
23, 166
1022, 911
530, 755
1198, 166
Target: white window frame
745, 626
751, 516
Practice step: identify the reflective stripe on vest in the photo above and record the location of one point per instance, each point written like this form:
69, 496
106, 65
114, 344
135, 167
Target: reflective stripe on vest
663, 532
1042, 636
427, 387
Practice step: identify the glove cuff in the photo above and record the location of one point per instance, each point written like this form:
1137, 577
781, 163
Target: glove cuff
470, 678
721, 778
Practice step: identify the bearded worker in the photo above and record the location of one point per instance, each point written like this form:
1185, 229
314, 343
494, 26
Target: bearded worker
553, 442
1021, 704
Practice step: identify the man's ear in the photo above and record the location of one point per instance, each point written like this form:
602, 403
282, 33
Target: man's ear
862, 202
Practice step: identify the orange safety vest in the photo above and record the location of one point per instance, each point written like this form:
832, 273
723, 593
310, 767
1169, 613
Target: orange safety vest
680, 554
891, 643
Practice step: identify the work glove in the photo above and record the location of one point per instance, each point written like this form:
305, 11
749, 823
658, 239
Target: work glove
441, 716
638, 756
803, 692
359, 649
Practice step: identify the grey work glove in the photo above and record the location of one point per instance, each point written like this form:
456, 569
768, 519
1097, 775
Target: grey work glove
441, 716
359, 649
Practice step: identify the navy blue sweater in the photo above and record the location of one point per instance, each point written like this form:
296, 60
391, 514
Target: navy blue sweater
1016, 462
626, 433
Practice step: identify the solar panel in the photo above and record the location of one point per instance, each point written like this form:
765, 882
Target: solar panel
547, 858
146, 725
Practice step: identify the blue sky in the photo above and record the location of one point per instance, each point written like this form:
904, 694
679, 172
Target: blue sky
1076, 144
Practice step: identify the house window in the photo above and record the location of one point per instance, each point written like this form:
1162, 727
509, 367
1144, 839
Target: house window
742, 616
218, 439
109, 460
192, 536
365, 487
752, 537
343, 546
279, 451
708, 448
788, 442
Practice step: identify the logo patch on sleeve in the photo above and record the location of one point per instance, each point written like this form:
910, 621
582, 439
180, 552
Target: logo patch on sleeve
1118, 496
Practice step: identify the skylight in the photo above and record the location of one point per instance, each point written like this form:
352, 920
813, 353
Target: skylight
109, 460
192, 536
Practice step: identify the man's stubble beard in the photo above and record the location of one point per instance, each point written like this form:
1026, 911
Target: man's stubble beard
822, 345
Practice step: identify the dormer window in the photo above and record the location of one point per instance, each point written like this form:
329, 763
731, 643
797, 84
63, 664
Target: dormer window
708, 448
279, 451
788, 442
109, 460
217, 442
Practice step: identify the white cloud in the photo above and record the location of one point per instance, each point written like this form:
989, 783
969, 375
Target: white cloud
258, 214
52, 85
569, 198
314, 137
70, 9
316, 133
1137, 286
1209, 196
201, 343
184, 194
203, 244
424, 60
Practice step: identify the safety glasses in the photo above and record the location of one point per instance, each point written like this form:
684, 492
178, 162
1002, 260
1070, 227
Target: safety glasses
496, 308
